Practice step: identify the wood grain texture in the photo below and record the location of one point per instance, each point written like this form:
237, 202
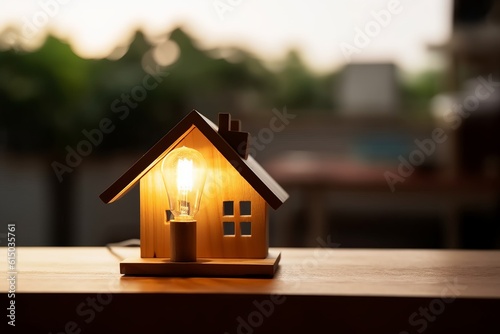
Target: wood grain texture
248, 168
326, 272
224, 183
314, 291
202, 267
182, 241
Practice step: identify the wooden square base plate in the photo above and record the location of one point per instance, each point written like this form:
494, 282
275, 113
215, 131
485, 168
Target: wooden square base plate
202, 268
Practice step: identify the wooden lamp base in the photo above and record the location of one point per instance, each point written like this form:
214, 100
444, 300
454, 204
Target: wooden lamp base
202, 267
183, 241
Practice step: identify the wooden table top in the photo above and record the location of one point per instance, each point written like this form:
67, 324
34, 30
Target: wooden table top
306, 271
80, 290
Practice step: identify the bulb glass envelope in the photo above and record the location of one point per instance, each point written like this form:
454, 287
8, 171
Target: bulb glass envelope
184, 171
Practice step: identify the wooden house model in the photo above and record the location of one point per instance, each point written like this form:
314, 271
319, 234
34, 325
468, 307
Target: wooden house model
232, 224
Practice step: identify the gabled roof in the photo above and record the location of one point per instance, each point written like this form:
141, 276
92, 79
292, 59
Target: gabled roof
249, 169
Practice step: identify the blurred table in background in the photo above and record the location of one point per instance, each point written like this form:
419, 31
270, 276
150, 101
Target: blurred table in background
317, 175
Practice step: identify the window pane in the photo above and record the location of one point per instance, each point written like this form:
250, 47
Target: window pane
245, 208
168, 215
228, 228
228, 208
246, 228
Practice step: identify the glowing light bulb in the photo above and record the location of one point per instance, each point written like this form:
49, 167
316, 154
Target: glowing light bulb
184, 172
184, 175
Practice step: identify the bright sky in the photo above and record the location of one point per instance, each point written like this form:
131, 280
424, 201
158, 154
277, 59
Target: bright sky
318, 28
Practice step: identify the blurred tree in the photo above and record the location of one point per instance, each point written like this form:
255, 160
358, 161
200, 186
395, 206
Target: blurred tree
215, 84
298, 88
42, 103
40, 97
418, 90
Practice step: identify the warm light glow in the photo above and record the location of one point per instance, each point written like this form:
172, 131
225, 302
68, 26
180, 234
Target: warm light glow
166, 53
183, 171
185, 175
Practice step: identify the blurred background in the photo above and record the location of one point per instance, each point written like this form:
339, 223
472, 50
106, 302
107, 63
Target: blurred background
380, 118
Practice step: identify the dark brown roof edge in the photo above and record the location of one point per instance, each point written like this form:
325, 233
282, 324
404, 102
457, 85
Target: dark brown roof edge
249, 169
